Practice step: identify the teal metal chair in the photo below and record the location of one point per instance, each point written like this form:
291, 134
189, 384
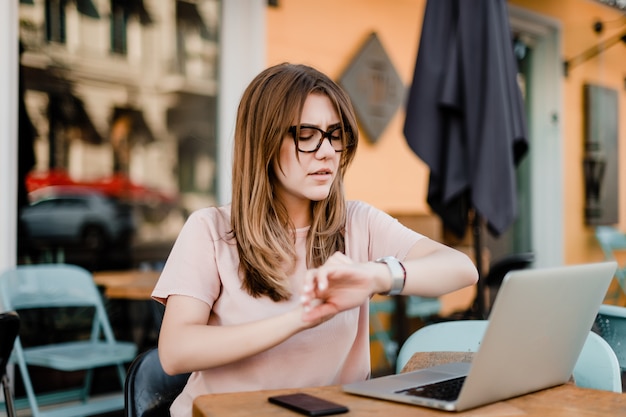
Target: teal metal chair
446, 336
9, 329
597, 366
54, 287
611, 325
611, 240
415, 307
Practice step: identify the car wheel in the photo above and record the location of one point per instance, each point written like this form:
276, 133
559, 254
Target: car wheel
93, 238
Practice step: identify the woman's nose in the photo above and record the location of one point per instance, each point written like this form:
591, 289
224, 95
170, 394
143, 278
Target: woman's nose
325, 150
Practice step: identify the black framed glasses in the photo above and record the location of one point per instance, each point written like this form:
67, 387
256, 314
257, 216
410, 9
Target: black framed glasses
310, 138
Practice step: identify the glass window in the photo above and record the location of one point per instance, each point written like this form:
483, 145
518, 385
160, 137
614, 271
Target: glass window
119, 20
55, 20
102, 124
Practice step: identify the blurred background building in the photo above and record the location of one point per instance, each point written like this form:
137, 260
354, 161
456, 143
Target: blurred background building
122, 97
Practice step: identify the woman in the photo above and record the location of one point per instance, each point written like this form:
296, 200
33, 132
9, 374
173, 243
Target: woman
272, 291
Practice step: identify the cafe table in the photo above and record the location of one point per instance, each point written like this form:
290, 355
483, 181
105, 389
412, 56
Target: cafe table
132, 284
132, 289
566, 400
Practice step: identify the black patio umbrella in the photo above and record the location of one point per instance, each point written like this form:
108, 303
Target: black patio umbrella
465, 116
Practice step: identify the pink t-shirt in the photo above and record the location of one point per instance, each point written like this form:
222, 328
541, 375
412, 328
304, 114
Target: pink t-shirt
203, 264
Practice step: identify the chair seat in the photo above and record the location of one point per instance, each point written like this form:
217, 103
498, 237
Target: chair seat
73, 356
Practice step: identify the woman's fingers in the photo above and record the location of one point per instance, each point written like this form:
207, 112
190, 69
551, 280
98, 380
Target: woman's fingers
319, 312
337, 285
316, 279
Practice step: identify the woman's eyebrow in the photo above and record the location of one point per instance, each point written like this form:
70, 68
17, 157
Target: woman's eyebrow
330, 127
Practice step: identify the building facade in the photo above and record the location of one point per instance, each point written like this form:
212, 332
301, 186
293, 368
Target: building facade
125, 88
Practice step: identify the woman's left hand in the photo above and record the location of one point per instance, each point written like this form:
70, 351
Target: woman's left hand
338, 285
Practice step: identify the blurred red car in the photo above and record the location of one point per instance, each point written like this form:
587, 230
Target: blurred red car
153, 204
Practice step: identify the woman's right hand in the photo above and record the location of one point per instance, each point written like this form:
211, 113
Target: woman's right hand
339, 285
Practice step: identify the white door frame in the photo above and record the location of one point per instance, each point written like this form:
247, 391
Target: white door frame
545, 121
9, 46
242, 56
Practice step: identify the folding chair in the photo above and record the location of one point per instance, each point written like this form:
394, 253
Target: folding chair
597, 366
9, 329
51, 288
149, 391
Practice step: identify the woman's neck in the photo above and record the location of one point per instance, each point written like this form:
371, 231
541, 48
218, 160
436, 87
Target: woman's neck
299, 213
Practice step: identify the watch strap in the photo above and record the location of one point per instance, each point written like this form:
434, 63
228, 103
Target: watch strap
398, 274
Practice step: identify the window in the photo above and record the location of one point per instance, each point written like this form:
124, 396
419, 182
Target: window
119, 20
196, 165
196, 37
55, 20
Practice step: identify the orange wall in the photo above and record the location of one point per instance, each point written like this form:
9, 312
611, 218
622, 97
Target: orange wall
328, 33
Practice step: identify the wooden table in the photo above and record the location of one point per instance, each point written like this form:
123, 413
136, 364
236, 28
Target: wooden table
563, 401
129, 285
132, 290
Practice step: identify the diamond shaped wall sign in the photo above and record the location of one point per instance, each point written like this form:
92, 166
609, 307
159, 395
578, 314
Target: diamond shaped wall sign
374, 87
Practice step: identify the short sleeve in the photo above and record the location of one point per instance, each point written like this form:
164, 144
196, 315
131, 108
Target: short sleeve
191, 268
371, 233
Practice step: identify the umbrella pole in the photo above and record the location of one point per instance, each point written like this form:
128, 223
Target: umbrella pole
480, 286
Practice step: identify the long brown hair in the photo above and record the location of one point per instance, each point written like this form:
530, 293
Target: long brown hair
264, 233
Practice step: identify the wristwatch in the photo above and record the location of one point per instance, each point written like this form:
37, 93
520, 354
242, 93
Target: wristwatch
398, 274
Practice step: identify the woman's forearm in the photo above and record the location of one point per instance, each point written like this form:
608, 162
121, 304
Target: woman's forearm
186, 345
433, 269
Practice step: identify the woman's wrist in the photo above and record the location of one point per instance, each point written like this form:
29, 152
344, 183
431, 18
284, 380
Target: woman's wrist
381, 278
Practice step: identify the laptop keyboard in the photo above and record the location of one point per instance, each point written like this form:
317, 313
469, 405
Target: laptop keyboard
445, 390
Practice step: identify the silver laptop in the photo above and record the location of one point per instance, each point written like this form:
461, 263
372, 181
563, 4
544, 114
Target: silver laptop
537, 328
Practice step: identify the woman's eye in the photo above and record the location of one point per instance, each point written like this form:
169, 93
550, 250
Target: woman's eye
306, 134
336, 134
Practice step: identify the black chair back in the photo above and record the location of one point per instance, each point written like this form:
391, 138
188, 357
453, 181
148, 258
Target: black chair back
499, 269
9, 329
493, 280
149, 391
